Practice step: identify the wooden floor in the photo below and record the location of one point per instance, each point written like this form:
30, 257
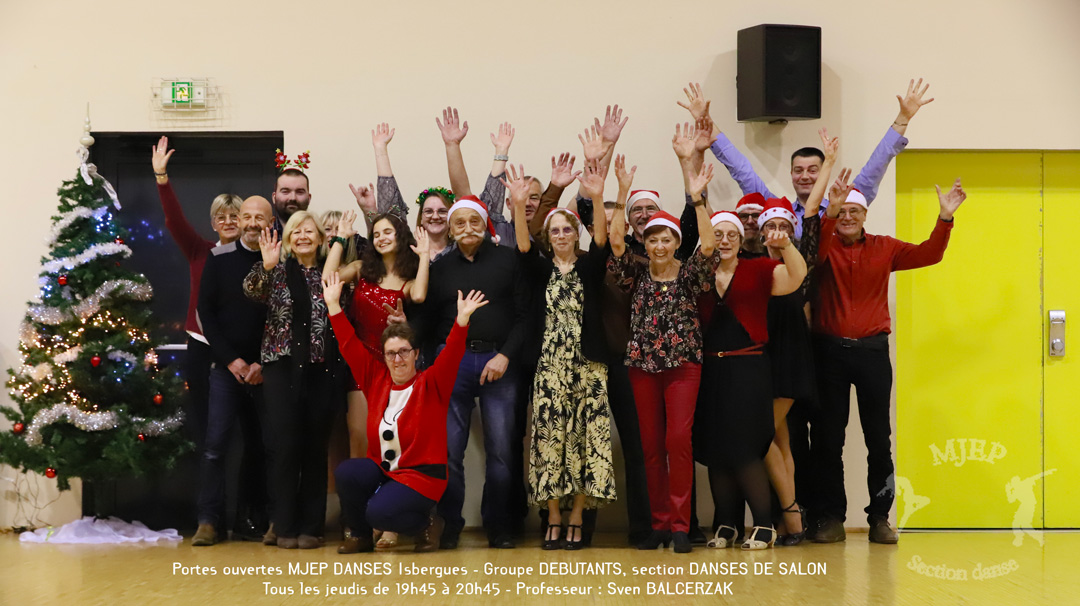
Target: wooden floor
925, 568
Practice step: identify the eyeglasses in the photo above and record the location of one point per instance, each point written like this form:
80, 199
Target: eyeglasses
226, 218
566, 231
731, 236
746, 216
401, 353
640, 210
431, 212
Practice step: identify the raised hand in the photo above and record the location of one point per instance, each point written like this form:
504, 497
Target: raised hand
381, 135
562, 170
777, 239
503, 140
516, 184
466, 305
365, 197
697, 183
704, 137
838, 193
625, 177
683, 141
159, 156
951, 200
270, 247
331, 292
423, 245
592, 180
695, 101
913, 100
593, 143
395, 315
831, 146
613, 124
345, 227
451, 128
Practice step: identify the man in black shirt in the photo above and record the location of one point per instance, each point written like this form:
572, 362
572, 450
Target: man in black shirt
489, 369
233, 324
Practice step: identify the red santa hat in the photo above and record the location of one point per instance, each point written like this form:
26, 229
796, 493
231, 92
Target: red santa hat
474, 203
664, 219
856, 197
753, 202
728, 217
641, 194
777, 207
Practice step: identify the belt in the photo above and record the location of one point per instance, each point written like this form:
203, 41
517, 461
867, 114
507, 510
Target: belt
878, 341
753, 350
481, 346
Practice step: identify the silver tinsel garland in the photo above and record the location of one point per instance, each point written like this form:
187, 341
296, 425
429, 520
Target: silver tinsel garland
46, 314
96, 421
91, 253
68, 218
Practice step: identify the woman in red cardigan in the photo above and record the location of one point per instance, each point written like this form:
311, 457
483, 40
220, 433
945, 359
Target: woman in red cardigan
406, 427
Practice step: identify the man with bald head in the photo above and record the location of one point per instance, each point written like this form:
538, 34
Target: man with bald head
233, 325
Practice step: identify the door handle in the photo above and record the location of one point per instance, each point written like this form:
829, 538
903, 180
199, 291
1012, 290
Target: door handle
1057, 333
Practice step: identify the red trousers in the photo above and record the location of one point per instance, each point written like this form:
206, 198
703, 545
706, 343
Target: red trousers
665, 403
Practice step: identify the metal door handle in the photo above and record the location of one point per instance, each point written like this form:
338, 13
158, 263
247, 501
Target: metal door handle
1057, 333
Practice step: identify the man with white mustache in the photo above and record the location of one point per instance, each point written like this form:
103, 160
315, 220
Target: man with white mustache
489, 369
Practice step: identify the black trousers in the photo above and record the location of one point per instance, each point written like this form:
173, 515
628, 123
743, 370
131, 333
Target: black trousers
197, 374
624, 412
870, 371
799, 420
299, 411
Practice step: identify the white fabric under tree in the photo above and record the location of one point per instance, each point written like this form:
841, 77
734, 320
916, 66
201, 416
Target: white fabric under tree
93, 531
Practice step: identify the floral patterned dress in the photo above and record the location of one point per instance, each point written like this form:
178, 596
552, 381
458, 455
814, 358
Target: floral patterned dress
571, 438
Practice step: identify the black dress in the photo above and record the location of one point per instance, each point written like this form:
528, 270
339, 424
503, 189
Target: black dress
733, 422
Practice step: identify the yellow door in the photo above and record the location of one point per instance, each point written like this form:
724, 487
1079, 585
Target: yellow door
1061, 385
969, 344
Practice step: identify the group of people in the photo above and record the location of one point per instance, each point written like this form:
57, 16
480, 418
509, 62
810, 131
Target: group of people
729, 338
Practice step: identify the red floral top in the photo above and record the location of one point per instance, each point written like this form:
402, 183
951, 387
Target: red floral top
663, 315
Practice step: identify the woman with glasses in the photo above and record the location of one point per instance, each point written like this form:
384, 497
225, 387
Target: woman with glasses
570, 463
404, 473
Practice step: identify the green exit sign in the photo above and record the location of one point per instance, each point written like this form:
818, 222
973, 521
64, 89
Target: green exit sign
181, 92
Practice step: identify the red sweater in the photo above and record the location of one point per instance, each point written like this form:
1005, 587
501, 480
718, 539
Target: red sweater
406, 424
194, 247
853, 279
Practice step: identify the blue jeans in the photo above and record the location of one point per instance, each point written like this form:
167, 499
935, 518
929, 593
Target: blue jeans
370, 499
231, 401
498, 413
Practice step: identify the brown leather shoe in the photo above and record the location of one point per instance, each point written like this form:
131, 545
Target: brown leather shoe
429, 538
287, 543
881, 532
353, 544
306, 541
205, 536
829, 531
270, 538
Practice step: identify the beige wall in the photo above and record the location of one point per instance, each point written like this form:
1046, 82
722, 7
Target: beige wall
1004, 74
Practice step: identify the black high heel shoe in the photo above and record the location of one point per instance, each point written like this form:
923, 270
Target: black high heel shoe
552, 537
682, 542
571, 544
655, 540
794, 538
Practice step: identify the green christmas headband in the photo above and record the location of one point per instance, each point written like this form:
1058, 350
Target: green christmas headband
431, 191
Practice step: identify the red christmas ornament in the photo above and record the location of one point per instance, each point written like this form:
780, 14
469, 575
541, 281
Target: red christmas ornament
118, 264
18, 428
142, 438
158, 399
50, 473
62, 280
95, 361
119, 240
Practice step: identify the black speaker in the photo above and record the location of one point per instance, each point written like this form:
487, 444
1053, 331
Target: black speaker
779, 75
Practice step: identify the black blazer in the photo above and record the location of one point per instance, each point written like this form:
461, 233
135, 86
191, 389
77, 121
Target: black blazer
591, 267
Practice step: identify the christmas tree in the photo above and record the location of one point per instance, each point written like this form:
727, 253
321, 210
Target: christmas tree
91, 400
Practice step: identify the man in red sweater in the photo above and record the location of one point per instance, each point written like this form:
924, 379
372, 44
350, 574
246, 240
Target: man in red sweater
397, 485
851, 328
